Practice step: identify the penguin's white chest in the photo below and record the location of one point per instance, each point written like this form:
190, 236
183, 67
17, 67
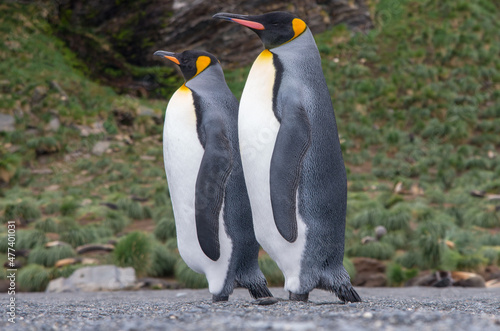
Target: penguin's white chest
258, 129
183, 153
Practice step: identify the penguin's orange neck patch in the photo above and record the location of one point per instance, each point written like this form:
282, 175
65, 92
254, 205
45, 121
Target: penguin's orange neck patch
184, 88
265, 55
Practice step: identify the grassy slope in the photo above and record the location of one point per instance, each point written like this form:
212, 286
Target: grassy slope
417, 103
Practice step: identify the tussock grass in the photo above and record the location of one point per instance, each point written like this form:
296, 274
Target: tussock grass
165, 229
49, 256
188, 277
374, 250
163, 261
33, 278
134, 250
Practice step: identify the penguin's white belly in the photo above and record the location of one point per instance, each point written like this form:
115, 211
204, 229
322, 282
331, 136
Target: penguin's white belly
183, 152
258, 129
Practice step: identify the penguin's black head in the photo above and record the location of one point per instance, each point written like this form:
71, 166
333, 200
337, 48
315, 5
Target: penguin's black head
192, 63
274, 29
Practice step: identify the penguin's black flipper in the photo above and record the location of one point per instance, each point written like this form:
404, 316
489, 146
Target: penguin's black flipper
292, 142
215, 167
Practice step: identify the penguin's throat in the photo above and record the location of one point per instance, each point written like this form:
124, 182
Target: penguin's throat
184, 88
264, 56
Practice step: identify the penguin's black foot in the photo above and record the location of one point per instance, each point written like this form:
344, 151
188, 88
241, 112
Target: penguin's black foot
220, 298
348, 294
299, 297
259, 291
265, 301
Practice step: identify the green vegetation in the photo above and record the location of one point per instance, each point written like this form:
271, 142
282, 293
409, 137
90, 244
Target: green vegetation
271, 271
134, 250
417, 103
49, 256
188, 277
33, 278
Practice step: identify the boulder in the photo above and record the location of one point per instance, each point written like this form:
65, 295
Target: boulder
92, 279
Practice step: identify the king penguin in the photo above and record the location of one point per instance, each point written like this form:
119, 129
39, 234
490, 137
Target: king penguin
211, 207
292, 159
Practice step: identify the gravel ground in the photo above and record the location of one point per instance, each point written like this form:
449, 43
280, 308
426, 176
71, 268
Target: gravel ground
413, 308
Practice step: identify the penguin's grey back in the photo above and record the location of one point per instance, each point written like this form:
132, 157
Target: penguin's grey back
322, 190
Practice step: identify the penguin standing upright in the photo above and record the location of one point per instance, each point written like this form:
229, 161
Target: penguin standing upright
292, 159
211, 207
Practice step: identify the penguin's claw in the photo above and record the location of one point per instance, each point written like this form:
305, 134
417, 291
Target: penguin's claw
348, 294
266, 301
221, 298
260, 291
299, 297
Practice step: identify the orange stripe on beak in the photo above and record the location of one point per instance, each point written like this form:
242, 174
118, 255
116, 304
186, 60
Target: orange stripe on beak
173, 59
250, 24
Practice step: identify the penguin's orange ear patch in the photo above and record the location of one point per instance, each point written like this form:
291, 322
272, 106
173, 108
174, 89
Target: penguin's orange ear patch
202, 63
299, 26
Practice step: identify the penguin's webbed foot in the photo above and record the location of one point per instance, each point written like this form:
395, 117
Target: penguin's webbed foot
220, 298
299, 297
347, 294
265, 301
259, 291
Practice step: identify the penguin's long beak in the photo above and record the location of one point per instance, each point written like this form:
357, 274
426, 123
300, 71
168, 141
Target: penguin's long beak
168, 55
240, 19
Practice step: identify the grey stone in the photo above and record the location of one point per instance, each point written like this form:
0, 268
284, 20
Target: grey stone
7, 123
54, 124
100, 147
380, 231
92, 279
145, 111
